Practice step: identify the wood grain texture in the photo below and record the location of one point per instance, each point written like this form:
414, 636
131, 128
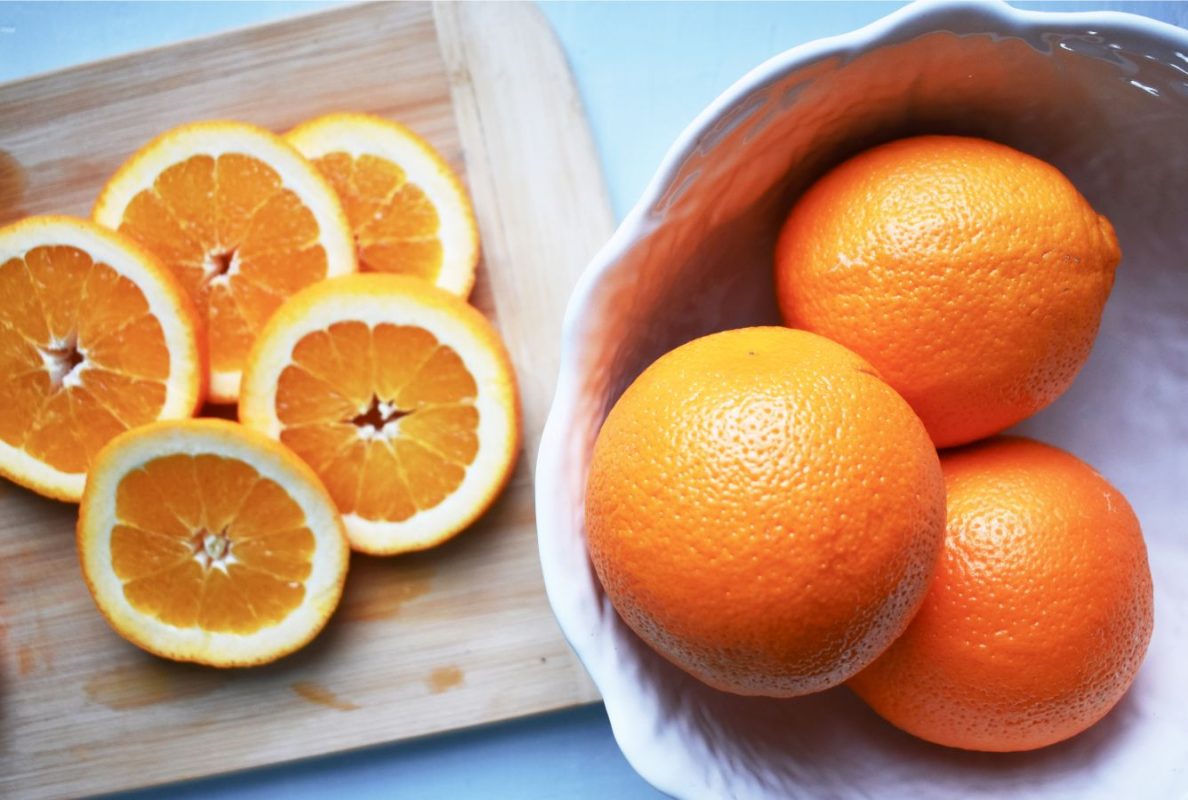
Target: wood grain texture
511, 158
454, 637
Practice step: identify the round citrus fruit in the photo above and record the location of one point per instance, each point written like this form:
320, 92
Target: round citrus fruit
972, 276
242, 220
399, 395
204, 541
1040, 612
95, 337
764, 511
407, 208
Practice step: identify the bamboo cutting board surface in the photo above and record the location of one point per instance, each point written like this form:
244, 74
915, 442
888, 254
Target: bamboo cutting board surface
425, 643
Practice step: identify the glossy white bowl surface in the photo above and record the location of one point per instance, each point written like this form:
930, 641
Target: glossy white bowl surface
1102, 96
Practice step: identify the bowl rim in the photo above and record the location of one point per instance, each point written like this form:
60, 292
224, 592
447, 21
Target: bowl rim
919, 17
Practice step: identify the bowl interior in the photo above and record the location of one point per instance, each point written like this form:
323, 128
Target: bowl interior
1102, 98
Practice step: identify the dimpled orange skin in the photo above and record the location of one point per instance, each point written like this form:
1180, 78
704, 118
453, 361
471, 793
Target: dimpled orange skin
1040, 612
972, 276
764, 511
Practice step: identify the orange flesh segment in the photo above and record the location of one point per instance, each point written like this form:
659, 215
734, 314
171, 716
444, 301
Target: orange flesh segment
205, 541
82, 359
237, 239
396, 227
385, 415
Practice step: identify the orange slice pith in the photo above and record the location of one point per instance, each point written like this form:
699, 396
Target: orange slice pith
242, 220
408, 210
95, 337
399, 395
204, 541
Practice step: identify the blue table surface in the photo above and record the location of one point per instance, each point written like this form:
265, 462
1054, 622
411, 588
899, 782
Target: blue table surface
644, 71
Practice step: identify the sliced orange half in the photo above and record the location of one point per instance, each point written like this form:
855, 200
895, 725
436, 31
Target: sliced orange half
204, 541
408, 210
96, 337
399, 395
242, 220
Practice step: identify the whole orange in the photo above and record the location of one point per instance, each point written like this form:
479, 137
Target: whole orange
972, 276
1040, 612
764, 511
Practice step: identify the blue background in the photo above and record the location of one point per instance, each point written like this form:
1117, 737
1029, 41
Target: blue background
644, 70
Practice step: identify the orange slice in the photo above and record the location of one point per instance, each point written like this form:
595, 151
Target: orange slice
95, 337
399, 395
204, 541
242, 220
408, 210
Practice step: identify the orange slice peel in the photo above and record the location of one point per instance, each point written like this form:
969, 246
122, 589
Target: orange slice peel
207, 542
240, 217
96, 337
408, 210
399, 395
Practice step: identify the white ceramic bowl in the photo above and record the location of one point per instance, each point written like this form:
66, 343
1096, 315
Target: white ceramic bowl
1102, 96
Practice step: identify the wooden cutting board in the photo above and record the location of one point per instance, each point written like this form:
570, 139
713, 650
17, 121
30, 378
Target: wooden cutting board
431, 642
